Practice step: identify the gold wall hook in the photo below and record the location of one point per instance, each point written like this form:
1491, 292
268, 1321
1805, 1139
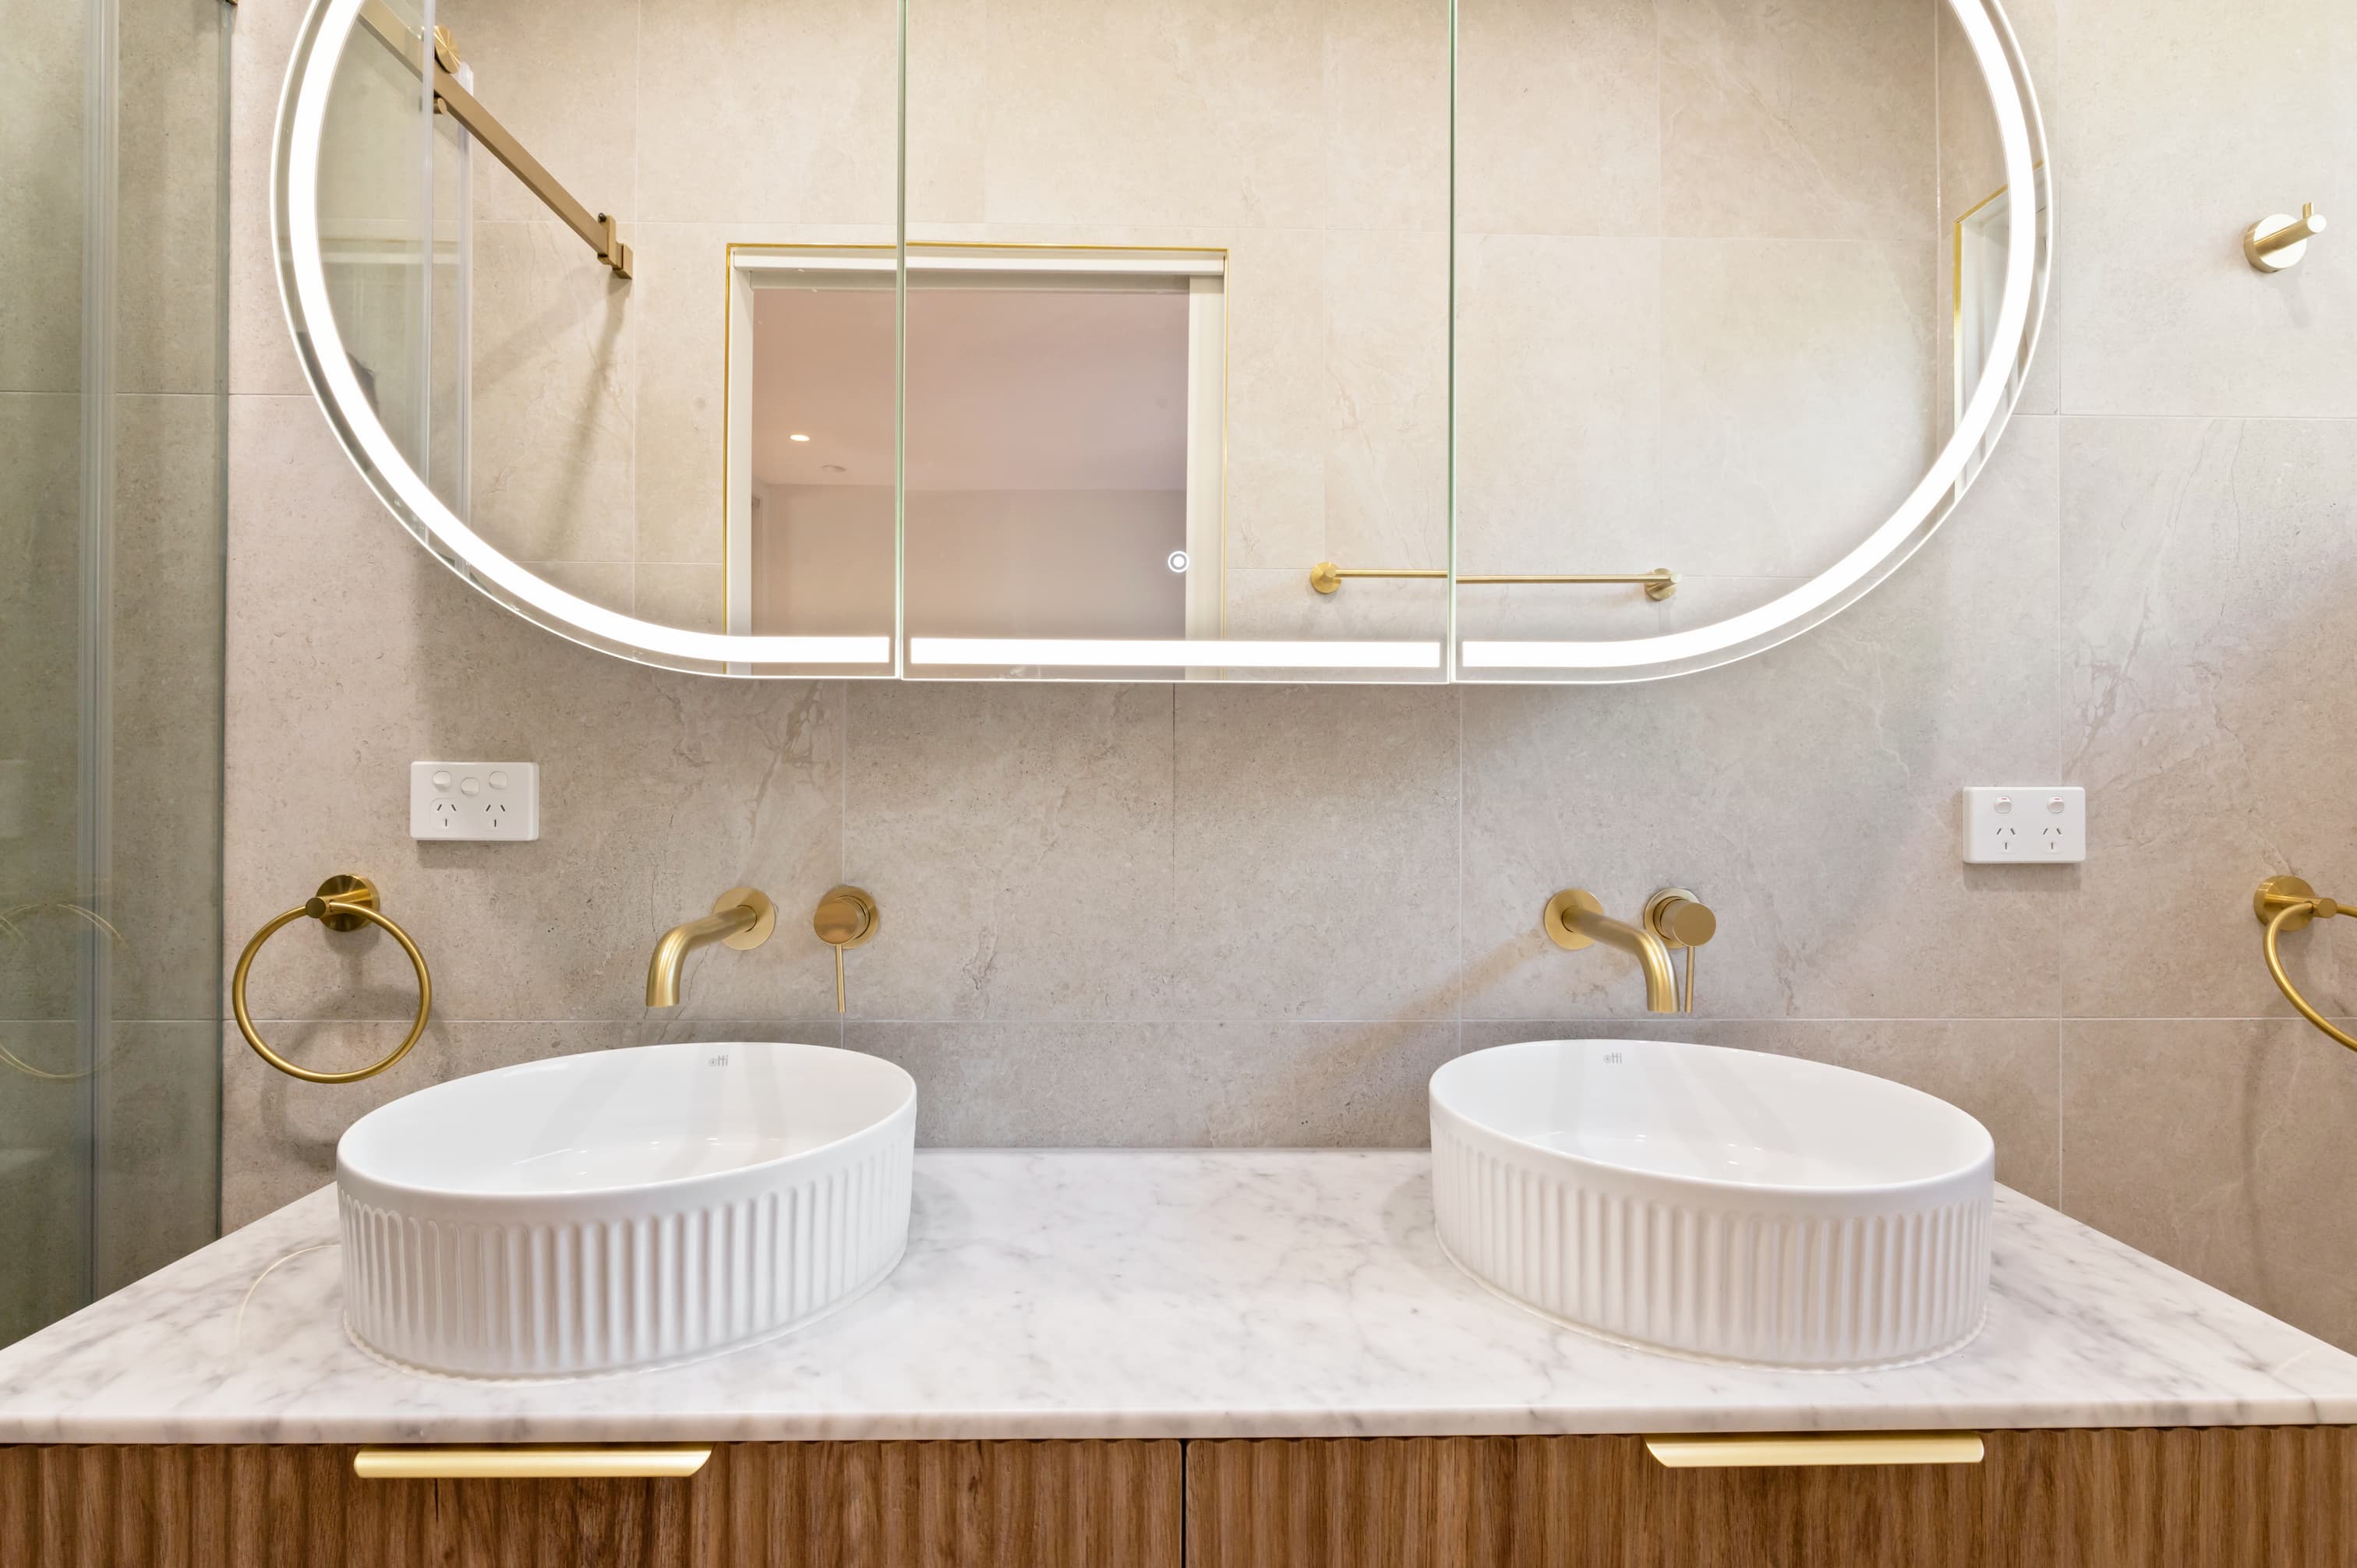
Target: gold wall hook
2279, 241
845, 917
343, 902
2287, 904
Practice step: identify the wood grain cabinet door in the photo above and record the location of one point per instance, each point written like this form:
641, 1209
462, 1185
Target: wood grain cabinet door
2241, 1497
760, 1505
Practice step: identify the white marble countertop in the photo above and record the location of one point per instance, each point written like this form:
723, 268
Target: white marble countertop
1175, 1294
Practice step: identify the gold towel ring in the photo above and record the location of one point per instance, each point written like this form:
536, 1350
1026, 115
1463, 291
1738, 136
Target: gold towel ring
2286, 904
343, 902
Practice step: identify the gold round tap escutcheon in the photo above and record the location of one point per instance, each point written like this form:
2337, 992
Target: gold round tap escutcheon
1556, 921
846, 917
1679, 919
2276, 892
765, 922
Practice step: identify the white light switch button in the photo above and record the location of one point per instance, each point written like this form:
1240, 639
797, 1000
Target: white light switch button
482, 800
2033, 824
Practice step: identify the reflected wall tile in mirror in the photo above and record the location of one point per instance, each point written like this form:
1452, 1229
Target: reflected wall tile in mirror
1210, 114
1514, 611
691, 596
2206, 650
1558, 357
1559, 118
1386, 113
699, 785
1280, 402
1317, 852
608, 584
1278, 602
1797, 397
555, 368
1386, 365
2004, 1072
1017, 837
756, 111
556, 76
1808, 795
2164, 156
2207, 1143
1808, 122
1243, 1085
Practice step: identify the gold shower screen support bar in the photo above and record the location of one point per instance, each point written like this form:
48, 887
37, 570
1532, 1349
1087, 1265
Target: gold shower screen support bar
598, 230
2287, 904
1659, 583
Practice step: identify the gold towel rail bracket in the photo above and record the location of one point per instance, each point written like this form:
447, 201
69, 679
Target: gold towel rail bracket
1659, 583
2287, 904
343, 902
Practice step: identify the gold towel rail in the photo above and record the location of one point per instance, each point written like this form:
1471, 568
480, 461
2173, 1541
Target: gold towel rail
1659, 583
449, 98
2286, 904
344, 902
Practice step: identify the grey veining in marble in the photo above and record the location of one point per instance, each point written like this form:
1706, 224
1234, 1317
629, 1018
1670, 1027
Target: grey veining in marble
1094, 1294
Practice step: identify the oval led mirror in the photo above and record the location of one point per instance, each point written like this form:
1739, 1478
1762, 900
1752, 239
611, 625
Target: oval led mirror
1070, 372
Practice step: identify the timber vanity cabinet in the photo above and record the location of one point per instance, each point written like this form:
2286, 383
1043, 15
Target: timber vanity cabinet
2187, 1498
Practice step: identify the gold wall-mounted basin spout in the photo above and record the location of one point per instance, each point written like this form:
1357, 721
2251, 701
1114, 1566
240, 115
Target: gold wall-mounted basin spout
741, 917
1675, 918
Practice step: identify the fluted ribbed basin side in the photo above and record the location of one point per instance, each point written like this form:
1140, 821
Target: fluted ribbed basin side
623, 1208
1715, 1203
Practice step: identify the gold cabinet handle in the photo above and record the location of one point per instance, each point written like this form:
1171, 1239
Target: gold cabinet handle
2287, 904
344, 902
1756, 1450
527, 1463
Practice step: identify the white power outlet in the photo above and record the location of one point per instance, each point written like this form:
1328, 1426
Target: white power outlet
2034, 824
474, 801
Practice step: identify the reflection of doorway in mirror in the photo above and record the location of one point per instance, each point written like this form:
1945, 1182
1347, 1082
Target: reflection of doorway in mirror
1981, 235
1064, 442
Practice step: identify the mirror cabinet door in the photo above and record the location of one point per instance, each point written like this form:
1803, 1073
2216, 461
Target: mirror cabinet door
1708, 316
1177, 314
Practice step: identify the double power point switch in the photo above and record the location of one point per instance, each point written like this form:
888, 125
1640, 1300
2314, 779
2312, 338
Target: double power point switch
474, 801
2025, 824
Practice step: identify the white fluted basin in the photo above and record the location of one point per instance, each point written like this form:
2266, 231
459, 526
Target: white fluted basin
1715, 1203
622, 1208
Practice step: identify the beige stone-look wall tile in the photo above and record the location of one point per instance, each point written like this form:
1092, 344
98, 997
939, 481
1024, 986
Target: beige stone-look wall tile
1127, 1085
659, 791
260, 352
1797, 121
42, 191
754, 110
43, 1129
1017, 839
1559, 120
2164, 155
1808, 795
165, 693
556, 398
2207, 646
40, 559
1317, 853
170, 241
1798, 383
1559, 402
564, 81
157, 1195
2219, 1146
2005, 1072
